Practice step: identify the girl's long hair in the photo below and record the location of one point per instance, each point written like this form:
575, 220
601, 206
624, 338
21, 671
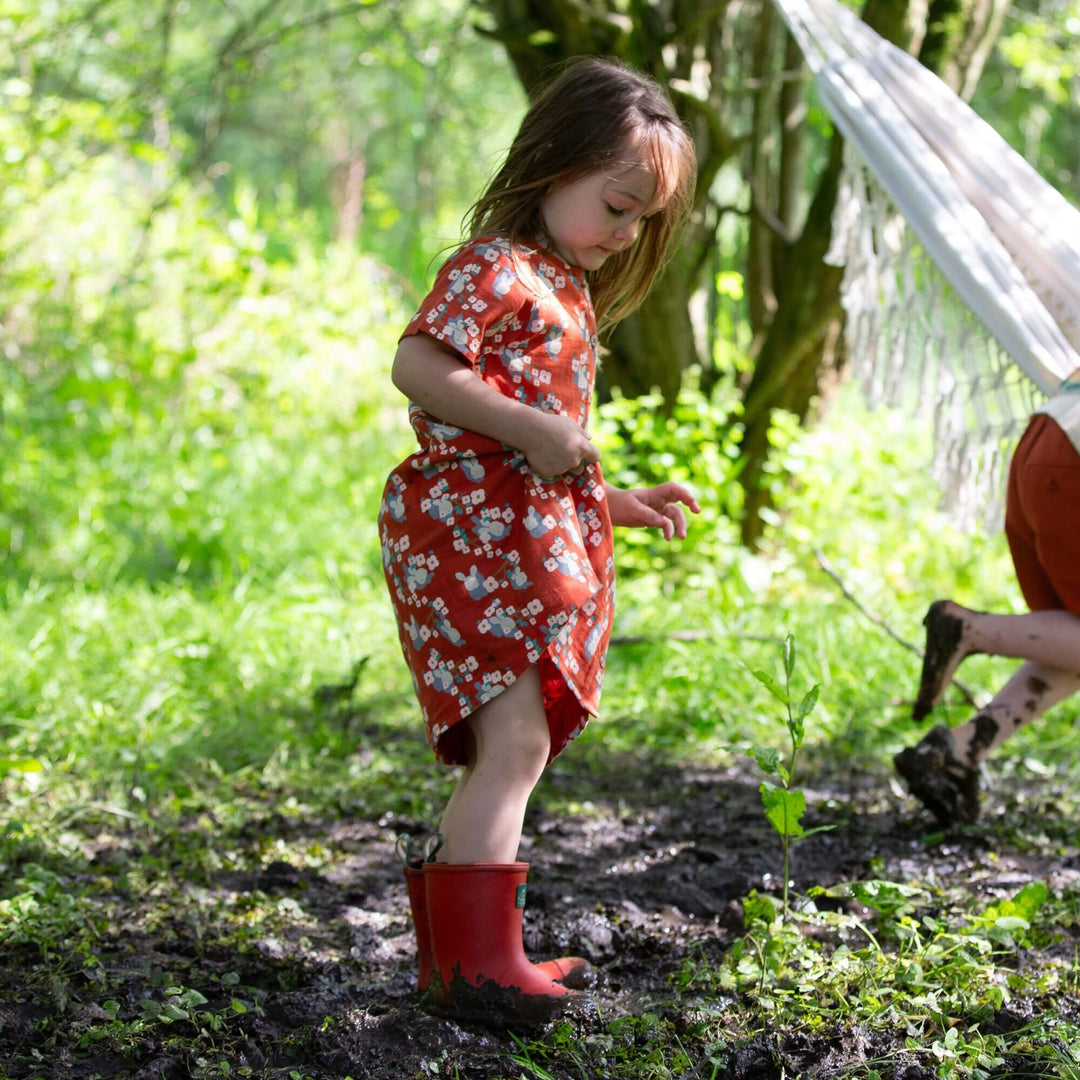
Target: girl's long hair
596, 114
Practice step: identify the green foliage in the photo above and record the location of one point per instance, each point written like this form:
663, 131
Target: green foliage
784, 804
946, 974
372, 123
695, 444
1028, 92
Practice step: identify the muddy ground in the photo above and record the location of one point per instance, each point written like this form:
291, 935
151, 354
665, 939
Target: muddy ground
650, 871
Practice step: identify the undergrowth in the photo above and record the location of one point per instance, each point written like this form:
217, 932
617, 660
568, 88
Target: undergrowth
199, 658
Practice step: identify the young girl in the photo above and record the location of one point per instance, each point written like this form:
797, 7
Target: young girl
1041, 523
497, 533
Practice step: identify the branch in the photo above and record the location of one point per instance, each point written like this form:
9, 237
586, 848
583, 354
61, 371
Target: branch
690, 635
319, 19
877, 620
772, 221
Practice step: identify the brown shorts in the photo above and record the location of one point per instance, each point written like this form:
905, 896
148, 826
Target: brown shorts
1042, 517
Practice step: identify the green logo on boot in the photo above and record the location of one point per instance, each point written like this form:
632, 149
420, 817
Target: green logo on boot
519, 900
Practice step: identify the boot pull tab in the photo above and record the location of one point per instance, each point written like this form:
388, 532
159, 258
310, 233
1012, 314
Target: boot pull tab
519, 899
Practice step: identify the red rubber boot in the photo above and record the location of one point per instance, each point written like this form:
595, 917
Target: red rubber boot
414, 881
479, 967
569, 970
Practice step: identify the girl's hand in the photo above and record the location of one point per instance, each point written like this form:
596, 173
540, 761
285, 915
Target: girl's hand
554, 445
656, 507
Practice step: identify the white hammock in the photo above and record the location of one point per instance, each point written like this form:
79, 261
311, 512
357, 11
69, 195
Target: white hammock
1006, 241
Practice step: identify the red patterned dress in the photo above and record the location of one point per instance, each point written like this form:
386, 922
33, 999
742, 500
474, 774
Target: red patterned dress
491, 568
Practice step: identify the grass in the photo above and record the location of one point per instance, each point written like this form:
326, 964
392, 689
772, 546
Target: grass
179, 678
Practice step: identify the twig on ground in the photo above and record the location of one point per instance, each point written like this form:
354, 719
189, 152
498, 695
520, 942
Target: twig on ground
877, 620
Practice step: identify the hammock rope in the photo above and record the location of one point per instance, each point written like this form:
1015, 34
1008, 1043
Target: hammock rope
962, 265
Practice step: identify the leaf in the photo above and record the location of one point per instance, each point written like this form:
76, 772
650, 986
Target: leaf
772, 686
1012, 922
238, 1006
806, 706
1030, 898
789, 655
784, 809
768, 759
1023, 906
24, 765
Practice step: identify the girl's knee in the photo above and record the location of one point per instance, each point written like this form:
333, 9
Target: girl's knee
532, 750
515, 743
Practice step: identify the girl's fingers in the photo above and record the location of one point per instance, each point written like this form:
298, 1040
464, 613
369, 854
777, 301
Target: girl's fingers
674, 513
673, 492
665, 520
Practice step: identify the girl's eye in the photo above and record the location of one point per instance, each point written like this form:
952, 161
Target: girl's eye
614, 209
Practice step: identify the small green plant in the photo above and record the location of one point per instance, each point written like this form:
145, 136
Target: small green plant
784, 803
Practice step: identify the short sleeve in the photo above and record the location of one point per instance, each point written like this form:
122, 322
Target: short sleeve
476, 292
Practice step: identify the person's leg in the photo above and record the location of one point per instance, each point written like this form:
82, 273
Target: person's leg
510, 746
1050, 639
942, 769
1034, 689
462, 784
475, 891
1043, 532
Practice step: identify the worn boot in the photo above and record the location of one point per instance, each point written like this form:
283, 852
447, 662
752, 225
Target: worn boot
414, 881
572, 971
947, 788
479, 967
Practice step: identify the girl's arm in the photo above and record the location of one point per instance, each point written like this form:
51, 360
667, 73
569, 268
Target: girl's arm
434, 377
656, 507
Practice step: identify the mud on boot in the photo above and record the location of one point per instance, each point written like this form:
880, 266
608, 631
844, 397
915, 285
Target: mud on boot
947, 788
479, 967
572, 971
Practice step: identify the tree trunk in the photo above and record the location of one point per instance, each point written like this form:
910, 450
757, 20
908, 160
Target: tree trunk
808, 302
959, 37
760, 291
650, 349
671, 41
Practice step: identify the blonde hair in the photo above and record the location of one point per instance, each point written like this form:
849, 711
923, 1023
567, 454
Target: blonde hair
594, 115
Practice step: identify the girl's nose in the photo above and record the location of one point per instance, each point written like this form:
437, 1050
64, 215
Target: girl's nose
628, 232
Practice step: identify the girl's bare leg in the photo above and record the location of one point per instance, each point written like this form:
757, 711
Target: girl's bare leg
511, 743
462, 783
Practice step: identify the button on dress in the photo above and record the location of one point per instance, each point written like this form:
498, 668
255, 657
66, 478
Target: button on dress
492, 568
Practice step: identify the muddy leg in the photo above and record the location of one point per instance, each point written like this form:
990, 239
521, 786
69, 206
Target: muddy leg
947, 643
1050, 638
1033, 690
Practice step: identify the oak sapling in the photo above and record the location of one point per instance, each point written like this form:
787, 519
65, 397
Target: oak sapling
784, 803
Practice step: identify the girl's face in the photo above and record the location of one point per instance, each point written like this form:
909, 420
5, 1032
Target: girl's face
594, 217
